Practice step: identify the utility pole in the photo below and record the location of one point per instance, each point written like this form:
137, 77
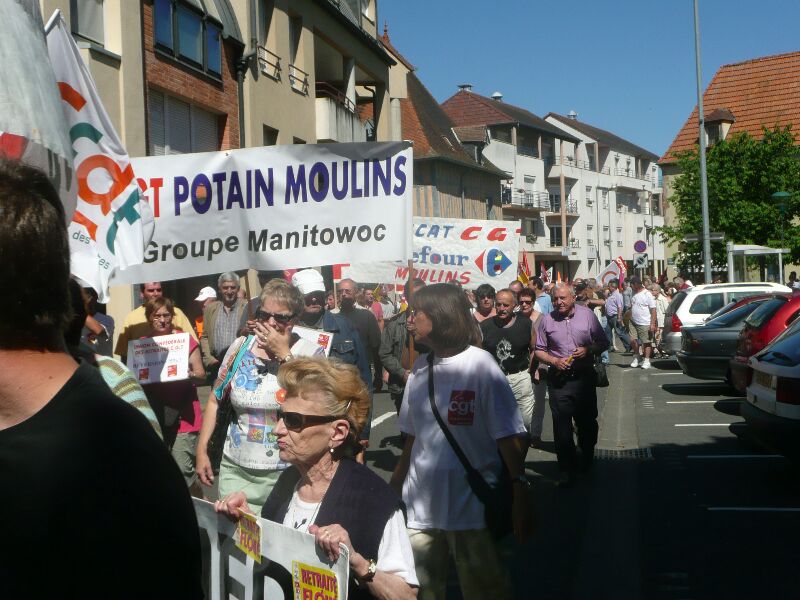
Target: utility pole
702, 124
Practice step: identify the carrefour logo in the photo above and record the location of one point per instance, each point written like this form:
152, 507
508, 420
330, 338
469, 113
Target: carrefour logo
493, 262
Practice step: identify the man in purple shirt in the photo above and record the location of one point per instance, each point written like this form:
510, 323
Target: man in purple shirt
614, 311
567, 340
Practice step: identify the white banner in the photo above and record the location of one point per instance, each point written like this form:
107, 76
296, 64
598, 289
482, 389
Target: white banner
275, 207
616, 269
322, 339
32, 127
292, 566
160, 358
469, 252
110, 224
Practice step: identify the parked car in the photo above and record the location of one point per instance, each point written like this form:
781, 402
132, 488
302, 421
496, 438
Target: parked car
693, 306
772, 409
707, 349
760, 328
737, 303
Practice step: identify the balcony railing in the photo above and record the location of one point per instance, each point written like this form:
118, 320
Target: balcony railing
298, 79
530, 199
587, 165
572, 206
528, 150
573, 243
269, 63
620, 207
326, 90
555, 242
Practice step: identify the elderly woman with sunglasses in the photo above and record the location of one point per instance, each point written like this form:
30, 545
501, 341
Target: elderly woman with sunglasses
250, 460
325, 492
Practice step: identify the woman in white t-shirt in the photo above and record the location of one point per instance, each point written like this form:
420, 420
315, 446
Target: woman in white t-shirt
250, 458
475, 400
325, 492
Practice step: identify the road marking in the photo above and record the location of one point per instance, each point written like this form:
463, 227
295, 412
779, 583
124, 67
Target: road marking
747, 456
669, 373
703, 424
701, 401
752, 509
378, 420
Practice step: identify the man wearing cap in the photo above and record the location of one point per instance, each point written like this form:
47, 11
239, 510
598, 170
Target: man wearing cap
206, 296
135, 324
221, 322
346, 344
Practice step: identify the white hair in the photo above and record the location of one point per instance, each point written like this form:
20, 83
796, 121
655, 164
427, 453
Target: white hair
228, 276
564, 285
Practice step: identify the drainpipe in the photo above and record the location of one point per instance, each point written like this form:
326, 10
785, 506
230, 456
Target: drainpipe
242, 64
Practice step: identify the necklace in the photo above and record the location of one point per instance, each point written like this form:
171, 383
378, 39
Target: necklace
310, 520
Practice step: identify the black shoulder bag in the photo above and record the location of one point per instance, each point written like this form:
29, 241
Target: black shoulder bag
497, 500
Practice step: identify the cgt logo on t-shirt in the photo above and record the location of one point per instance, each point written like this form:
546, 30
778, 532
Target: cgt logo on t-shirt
461, 410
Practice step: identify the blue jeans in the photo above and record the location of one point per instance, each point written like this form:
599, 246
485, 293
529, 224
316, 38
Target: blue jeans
617, 326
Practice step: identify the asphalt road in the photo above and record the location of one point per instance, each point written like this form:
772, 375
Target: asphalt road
681, 504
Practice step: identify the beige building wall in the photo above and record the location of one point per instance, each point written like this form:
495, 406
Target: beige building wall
270, 99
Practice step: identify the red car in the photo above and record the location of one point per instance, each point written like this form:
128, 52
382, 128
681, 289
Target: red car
760, 328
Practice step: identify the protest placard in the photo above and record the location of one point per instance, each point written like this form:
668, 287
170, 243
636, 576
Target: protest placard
278, 207
292, 566
470, 252
160, 358
322, 339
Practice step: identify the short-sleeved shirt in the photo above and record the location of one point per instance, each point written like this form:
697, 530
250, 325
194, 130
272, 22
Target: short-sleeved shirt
615, 305
475, 400
509, 345
543, 303
641, 304
251, 442
559, 336
135, 326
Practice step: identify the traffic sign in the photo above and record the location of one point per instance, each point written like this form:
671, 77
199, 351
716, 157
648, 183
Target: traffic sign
640, 246
640, 261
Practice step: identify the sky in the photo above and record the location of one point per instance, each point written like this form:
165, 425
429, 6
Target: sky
627, 66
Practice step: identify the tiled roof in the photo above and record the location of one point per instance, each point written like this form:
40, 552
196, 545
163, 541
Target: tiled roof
427, 125
471, 133
760, 92
604, 137
468, 108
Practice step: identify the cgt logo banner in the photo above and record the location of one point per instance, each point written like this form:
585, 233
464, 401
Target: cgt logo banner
110, 225
616, 269
273, 208
470, 252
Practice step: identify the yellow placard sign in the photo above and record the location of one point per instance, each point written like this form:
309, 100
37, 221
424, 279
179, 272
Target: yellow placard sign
248, 536
311, 583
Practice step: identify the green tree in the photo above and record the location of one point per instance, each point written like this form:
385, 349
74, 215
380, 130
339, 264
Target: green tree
742, 173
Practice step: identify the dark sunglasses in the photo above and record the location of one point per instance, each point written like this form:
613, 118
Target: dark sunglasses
295, 421
482, 296
283, 319
526, 301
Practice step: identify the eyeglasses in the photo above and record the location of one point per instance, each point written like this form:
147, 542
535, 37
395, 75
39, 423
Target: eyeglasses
526, 301
295, 421
262, 315
482, 296
167, 317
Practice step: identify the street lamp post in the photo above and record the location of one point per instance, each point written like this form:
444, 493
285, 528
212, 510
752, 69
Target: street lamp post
702, 126
781, 199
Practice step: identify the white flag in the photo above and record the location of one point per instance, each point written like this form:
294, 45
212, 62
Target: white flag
32, 129
112, 223
616, 269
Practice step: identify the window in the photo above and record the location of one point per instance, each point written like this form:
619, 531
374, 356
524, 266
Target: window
555, 236
87, 20
297, 140
588, 195
604, 194
188, 35
177, 127
501, 134
270, 136
295, 31
705, 304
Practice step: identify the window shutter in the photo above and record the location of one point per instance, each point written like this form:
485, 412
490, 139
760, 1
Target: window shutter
205, 136
178, 126
158, 140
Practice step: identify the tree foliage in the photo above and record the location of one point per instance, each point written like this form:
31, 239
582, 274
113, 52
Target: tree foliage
742, 174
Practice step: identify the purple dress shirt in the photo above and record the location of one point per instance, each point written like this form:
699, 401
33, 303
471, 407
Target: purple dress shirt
614, 304
560, 336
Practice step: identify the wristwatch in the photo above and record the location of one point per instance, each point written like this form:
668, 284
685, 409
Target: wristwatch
522, 480
371, 570
287, 358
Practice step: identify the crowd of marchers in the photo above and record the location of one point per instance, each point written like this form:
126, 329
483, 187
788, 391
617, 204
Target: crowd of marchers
85, 449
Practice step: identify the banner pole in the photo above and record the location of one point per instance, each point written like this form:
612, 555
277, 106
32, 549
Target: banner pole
247, 292
409, 292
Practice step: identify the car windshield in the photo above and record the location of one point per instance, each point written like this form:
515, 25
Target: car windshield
784, 349
737, 315
764, 312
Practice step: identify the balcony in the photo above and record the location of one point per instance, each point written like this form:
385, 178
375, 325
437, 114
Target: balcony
590, 243
531, 200
554, 167
574, 243
269, 63
525, 150
337, 120
298, 79
555, 206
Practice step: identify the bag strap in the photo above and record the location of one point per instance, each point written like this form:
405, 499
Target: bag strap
233, 364
473, 474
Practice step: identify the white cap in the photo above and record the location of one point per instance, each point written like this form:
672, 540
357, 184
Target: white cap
307, 281
206, 293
